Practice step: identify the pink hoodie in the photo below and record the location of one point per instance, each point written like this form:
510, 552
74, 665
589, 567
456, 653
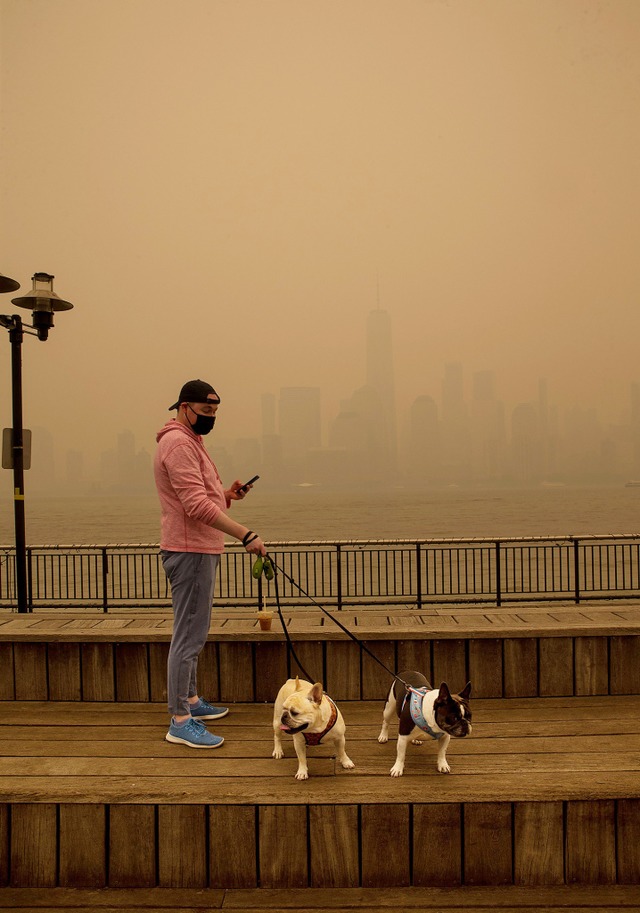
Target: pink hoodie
190, 491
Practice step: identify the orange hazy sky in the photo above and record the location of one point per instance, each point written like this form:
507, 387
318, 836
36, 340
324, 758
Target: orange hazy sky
226, 188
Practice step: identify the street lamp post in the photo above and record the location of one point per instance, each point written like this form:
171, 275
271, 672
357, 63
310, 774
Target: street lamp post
43, 302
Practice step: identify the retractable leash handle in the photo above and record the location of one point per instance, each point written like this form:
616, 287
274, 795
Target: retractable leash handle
353, 637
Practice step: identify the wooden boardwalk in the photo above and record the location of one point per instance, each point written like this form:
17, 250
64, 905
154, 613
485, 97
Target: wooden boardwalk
451, 621
529, 651
97, 810
92, 795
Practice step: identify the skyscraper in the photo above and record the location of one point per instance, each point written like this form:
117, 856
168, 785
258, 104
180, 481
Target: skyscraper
299, 423
455, 424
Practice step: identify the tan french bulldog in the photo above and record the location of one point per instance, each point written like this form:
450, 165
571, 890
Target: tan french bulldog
308, 714
435, 711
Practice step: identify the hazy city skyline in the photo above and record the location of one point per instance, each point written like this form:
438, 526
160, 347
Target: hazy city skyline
468, 434
227, 190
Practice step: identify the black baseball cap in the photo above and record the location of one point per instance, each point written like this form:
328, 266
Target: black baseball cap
196, 391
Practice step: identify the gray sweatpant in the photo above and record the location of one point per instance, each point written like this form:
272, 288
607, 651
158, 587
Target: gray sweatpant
192, 576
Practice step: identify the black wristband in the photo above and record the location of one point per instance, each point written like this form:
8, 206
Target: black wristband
246, 540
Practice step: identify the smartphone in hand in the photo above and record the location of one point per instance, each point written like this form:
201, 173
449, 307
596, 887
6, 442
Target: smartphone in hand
250, 482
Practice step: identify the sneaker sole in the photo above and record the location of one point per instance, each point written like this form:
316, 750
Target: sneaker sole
210, 716
179, 741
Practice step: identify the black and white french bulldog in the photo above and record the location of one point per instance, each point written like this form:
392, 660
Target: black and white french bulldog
434, 711
308, 714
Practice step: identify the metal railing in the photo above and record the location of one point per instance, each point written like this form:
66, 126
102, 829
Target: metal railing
336, 574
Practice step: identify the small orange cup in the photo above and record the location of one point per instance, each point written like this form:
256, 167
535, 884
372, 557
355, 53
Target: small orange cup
265, 619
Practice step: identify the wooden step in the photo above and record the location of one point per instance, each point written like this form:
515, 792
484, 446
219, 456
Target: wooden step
559, 899
93, 796
540, 651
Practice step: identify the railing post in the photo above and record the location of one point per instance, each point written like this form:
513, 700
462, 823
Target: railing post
29, 582
105, 576
339, 574
498, 575
576, 570
418, 576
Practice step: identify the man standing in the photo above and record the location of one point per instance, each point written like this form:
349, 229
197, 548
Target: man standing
194, 522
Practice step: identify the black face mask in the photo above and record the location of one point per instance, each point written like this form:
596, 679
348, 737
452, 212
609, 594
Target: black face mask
203, 423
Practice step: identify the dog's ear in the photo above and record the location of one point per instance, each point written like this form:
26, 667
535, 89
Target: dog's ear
466, 693
443, 694
298, 685
316, 693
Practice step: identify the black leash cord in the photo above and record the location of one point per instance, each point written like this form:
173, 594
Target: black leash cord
329, 615
284, 624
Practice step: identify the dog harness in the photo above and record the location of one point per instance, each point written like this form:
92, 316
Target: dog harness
416, 696
314, 738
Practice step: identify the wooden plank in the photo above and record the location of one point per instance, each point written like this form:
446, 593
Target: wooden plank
271, 670
376, 681
4, 844
82, 839
520, 667
98, 672
589, 825
282, 845
132, 672
485, 667
628, 841
30, 663
209, 672
233, 851
347, 787
132, 846
449, 664
182, 846
64, 672
415, 655
343, 670
437, 825
538, 843
311, 655
386, 845
158, 655
488, 855
227, 763
624, 670
556, 666
552, 899
236, 672
7, 683
591, 665
334, 839
33, 845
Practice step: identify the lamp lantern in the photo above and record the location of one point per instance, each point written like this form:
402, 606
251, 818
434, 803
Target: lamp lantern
42, 301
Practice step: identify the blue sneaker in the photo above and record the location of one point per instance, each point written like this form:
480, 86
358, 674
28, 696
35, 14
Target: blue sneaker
193, 734
206, 711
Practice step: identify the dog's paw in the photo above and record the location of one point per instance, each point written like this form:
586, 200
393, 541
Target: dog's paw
396, 770
443, 767
348, 764
277, 753
417, 742
383, 738
302, 775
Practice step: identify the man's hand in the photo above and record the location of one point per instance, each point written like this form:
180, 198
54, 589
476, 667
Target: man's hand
238, 490
256, 546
